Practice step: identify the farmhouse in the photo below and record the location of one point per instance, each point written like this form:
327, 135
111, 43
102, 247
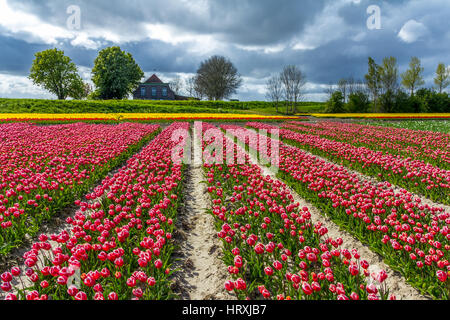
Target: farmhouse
155, 89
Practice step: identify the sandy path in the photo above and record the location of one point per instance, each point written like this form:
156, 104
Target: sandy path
202, 272
395, 282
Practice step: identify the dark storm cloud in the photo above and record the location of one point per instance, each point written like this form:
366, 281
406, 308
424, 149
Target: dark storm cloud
17, 55
255, 22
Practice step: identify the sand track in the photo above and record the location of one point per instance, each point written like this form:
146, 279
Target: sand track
202, 272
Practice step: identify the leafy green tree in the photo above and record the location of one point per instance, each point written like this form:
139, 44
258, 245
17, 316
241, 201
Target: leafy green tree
55, 72
389, 74
336, 103
442, 79
115, 74
412, 78
79, 90
373, 81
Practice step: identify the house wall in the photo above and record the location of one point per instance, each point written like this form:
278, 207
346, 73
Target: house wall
148, 93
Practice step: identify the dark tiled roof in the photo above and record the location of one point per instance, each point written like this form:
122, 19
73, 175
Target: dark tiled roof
153, 79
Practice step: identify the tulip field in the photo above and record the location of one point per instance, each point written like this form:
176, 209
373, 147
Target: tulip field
119, 191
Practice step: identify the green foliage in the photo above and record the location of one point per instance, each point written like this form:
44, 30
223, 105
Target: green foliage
373, 80
412, 78
424, 125
432, 101
389, 74
56, 73
442, 79
78, 89
336, 103
115, 74
144, 106
387, 101
358, 102
424, 101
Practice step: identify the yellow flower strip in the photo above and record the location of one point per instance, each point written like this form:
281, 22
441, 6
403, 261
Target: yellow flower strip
135, 116
384, 115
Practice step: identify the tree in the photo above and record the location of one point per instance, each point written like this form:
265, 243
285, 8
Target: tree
192, 89
176, 85
412, 78
217, 78
336, 103
115, 74
79, 90
189, 85
389, 75
442, 79
373, 81
329, 90
55, 72
387, 101
343, 88
274, 90
294, 81
358, 102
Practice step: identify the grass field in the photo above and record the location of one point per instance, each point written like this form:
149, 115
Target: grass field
146, 106
425, 125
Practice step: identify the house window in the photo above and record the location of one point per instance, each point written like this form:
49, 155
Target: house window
164, 91
154, 91
143, 92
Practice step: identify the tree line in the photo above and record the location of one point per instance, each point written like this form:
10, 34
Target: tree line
384, 89
116, 75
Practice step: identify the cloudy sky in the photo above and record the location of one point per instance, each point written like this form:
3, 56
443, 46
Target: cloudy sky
327, 39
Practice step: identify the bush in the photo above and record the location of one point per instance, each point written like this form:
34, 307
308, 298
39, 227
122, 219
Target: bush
336, 103
433, 101
358, 102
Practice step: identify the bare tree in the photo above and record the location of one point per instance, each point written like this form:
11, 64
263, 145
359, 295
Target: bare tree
192, 89
189, 85
274, 90
217, 78
330, 90
176, 85
294, 81
343, 88
351, 85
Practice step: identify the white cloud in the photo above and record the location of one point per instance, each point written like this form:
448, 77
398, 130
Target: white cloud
412, 31
12, 86
169, 34
32, 29
327, 26
266, 49
82, 40
17, 22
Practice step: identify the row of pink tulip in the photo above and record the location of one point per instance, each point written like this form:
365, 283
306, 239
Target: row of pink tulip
433, 147
44, 168
271, 247
413, 237
119, 243
414, 175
